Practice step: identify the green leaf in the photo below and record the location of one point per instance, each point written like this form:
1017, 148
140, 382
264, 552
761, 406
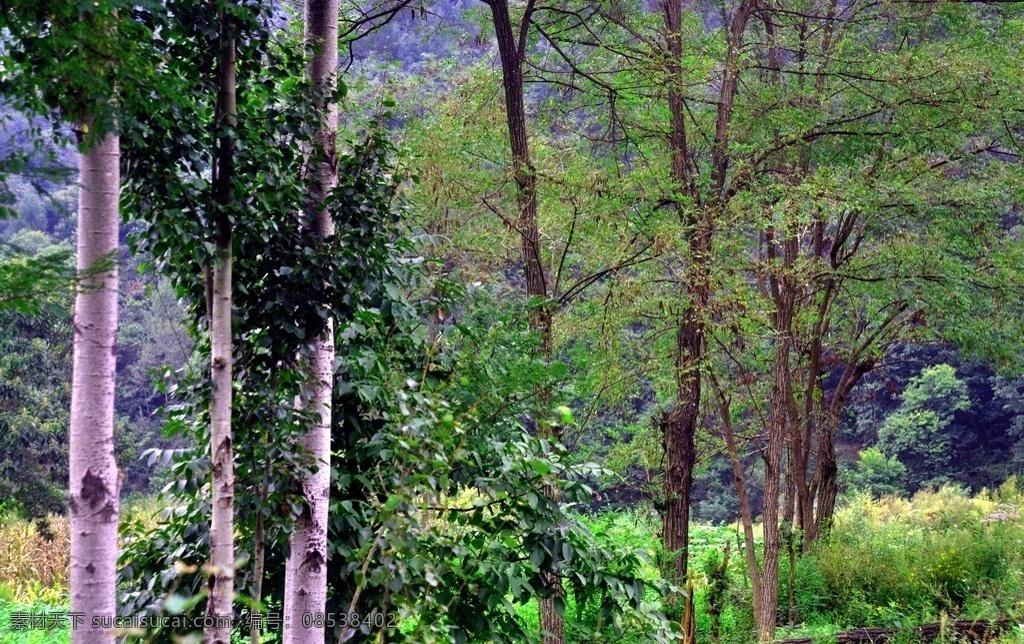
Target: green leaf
540, 466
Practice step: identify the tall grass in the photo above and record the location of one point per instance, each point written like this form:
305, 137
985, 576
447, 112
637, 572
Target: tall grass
894, 561
35, 563
33, 567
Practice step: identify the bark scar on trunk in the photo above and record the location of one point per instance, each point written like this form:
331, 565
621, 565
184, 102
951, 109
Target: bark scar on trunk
94, 490
314, 560
224, 449
107, 513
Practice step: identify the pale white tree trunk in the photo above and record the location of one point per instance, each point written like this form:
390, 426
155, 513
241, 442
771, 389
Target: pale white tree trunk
222, 453
222, 540
94, 481
305, 588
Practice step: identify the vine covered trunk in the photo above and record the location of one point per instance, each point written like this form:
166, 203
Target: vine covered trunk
306, 568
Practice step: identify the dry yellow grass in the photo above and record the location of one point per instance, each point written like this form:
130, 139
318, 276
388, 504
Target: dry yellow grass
34, 569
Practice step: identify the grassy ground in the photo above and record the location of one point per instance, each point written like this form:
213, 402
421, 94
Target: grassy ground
34, 636
890, 562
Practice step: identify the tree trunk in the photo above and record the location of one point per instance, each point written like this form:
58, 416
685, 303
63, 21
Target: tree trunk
678, 434
522, 168
813, 405
827, 474
783, 285
511, 51
259, 554
679, 425
698, 219
306, 568
746, 517
777, 428
222, 539
94, 483
222, 526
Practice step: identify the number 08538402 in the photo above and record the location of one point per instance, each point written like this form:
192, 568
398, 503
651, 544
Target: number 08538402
331, 620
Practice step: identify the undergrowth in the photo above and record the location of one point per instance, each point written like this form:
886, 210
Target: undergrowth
894, 562
891, 562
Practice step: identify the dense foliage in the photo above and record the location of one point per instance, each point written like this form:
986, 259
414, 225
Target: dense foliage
780, 246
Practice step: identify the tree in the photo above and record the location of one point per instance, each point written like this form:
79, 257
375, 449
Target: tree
835, 137
179, 146
87, 87
35, 360
512, 51
219, 309
306, 569
917, 433
202, 160
95, 484
877, 474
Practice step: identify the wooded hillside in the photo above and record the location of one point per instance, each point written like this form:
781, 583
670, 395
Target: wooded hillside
511, 320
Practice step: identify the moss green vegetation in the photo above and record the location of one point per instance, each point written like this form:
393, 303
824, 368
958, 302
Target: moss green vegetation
34, 636
890, 562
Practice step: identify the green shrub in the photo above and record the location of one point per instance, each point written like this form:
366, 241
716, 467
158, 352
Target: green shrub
891, 561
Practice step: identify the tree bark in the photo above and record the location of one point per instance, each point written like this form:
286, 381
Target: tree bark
678, 430
522, 168
222, 541
698, 218
827, 474
259, 562
94, 482
679, 425
765, 618
222, 526
783, 286
306, 567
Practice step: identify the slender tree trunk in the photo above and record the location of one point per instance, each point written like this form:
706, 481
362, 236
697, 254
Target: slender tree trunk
94, 480
813, 405
259, 548
306, 568
783, 285
222, 454
680, 424
222, 540
678, 431
746, 517
827, 470
796, 472
259, 561
511, 51
523, 170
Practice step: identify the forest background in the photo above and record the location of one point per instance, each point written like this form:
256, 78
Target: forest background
732, 263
